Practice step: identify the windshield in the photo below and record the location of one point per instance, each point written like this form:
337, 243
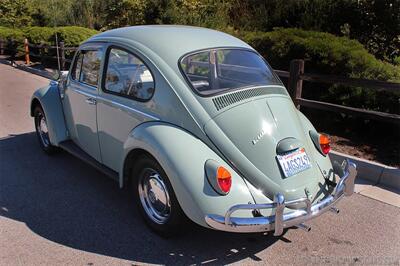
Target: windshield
218, 70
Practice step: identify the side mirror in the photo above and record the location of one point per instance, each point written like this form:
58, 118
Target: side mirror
56, 75
59, 75
62, 83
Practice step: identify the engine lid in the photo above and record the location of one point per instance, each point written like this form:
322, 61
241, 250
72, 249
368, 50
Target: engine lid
252, 134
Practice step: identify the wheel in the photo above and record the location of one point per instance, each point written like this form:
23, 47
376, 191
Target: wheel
156, 199
42, 131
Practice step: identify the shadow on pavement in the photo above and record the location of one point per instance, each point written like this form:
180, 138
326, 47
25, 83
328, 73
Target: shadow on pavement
66, 201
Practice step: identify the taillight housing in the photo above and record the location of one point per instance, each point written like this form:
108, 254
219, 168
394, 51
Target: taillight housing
218, 176
321, 141
325, 143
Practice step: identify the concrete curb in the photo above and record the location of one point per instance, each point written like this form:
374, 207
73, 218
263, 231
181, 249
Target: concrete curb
378, 174
43, 73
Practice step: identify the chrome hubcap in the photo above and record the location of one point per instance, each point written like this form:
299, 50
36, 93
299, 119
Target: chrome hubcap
154, 196
43, 131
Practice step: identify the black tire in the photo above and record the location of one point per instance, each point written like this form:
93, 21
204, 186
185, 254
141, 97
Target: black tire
43, 137
174, 222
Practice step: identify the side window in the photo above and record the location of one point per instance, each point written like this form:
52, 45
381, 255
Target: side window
86, 67
127, 75
90, 67
76, 71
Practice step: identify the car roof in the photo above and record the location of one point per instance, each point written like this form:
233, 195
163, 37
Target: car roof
170, 42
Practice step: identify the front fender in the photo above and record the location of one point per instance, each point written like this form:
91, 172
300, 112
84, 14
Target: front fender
49, 99
182, 156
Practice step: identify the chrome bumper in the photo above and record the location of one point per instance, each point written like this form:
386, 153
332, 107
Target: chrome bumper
347, 173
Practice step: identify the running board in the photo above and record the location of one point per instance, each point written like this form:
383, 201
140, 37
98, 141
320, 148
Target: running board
70, 147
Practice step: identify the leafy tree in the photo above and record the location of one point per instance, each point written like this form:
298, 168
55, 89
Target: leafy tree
375, 23
207, 13
15, 13
379, 28
52, 13
124, 13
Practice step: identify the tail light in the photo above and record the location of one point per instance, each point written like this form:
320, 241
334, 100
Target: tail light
321, 141
325, 143
218, 176
224, 179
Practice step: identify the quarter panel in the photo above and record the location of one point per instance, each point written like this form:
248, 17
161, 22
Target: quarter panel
183, 156
324, 162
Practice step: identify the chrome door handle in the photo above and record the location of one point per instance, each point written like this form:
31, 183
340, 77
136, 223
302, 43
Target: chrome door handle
91, 101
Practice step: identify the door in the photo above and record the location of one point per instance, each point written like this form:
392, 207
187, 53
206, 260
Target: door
81, 99
123, 102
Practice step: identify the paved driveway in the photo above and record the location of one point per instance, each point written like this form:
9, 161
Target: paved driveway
58, 210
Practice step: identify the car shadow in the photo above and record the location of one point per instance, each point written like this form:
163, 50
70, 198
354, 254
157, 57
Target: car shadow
68, 202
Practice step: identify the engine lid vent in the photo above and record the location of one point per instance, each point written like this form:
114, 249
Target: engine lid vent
225, 100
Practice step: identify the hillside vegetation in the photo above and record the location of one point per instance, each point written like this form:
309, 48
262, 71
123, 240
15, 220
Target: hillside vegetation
70, 35
375, 24
323, 53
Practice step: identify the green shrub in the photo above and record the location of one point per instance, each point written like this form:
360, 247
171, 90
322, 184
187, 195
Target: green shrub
325, 53
73, 35
70, 35
37, 35
9, 33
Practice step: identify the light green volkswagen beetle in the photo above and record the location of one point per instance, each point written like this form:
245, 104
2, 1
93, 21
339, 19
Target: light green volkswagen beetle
196, 124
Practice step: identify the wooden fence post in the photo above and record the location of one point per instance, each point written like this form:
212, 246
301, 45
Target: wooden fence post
13, 49
41, 53
26, 48
62, 56
295, 83
1, 46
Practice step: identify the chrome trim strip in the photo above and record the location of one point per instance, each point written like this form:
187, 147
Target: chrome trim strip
128, 108
95, 96
281, 220
84, 93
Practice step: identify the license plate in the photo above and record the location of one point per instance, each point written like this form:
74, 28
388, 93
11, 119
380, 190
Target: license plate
294, 162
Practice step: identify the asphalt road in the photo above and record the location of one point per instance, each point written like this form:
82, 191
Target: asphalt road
58, 210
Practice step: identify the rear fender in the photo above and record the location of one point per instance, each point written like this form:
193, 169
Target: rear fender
324, 162
182, 156
49, 98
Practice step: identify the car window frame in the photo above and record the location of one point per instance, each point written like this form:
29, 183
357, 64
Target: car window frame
183, 73
91, 46
104, 74
98, 76
75, 62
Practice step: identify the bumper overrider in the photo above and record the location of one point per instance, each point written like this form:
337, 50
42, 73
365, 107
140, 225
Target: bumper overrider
345, 187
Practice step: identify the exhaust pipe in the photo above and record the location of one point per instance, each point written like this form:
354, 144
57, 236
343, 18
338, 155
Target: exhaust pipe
304, 227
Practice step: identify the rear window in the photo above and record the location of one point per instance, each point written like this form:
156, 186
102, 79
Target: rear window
220, 70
